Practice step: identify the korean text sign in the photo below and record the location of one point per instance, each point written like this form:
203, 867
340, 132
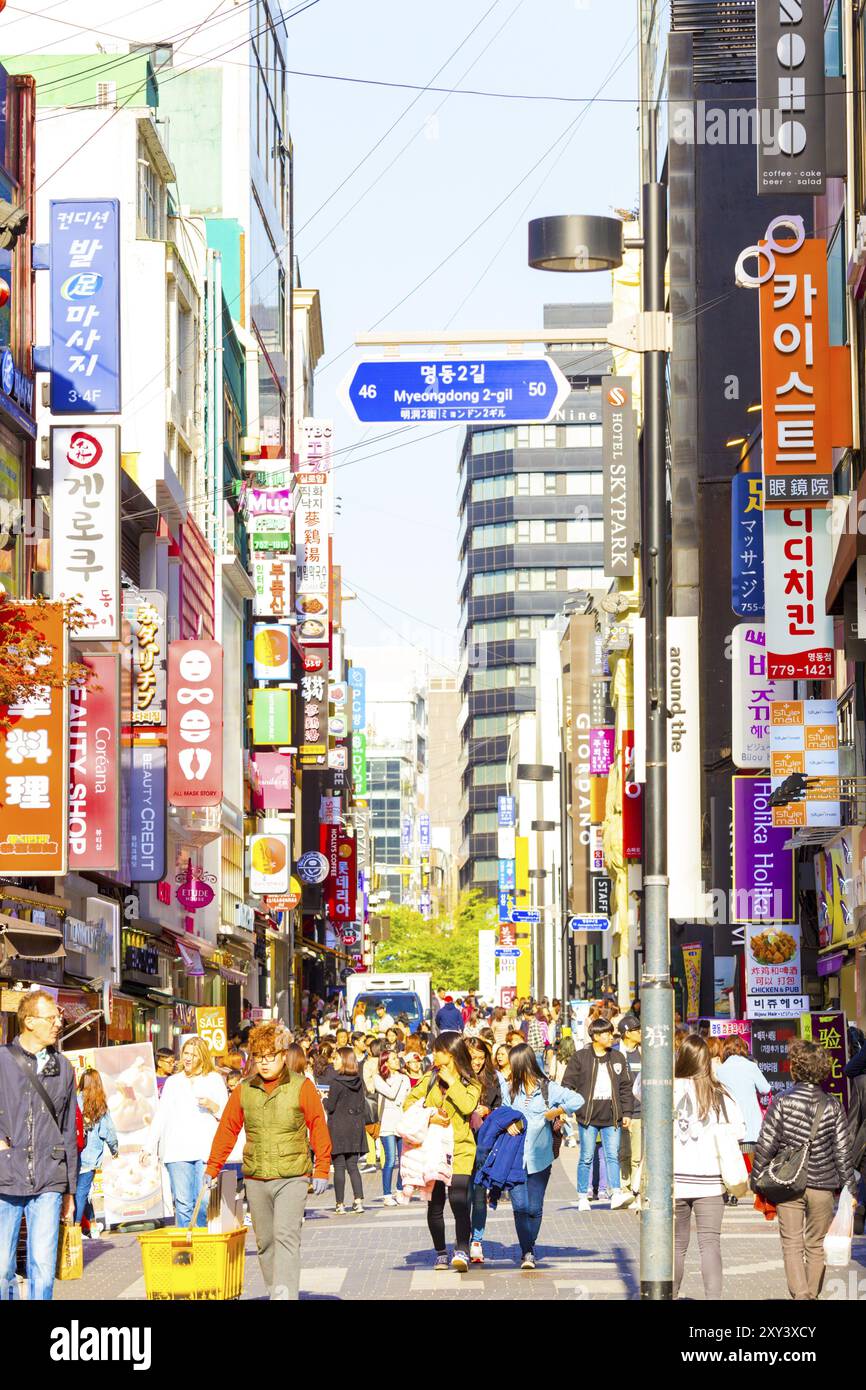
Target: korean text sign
195, 723
85, 306
312, 543
797, 563
85, 526
34, 791
752, 695
94, 767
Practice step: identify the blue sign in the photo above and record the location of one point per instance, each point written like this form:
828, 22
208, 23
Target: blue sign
747, 545
147, 788
526, 914
472, 391
424, 831
507, 812
506, 951
406, 833
506, 904
591, 922
84, 261
358, 687
506, 874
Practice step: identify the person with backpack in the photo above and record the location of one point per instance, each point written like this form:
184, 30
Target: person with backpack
602, 1076
802, 1157
346, 1111
543, 1105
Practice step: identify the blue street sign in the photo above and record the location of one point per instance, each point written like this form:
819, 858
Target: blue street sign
506, 904
507, 817
526, 914
514, 389
502, 951
591, 922
507, 875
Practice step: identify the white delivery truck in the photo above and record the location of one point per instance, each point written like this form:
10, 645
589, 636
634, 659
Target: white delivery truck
401, 994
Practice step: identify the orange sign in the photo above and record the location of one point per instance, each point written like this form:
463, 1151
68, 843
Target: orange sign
797, 371
34, 796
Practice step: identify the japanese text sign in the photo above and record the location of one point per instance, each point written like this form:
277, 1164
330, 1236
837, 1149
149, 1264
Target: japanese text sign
85, 306
145, 613
747, 545
195, 723
85, 525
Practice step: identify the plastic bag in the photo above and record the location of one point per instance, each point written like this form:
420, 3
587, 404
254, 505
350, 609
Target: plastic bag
837, 1241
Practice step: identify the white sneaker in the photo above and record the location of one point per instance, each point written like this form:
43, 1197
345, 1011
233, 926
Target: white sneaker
389, 1201
583, 1203
621, 1199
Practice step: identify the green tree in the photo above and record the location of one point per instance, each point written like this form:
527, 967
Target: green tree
446, 947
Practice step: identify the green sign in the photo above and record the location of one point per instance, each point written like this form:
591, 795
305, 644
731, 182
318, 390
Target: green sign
272, 717
359, 764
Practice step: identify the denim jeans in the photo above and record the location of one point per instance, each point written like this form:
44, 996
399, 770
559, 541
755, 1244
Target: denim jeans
527, 1203
43, 1228
186, 1180
610, 1137
391, 1147
82, 1194
478, 1209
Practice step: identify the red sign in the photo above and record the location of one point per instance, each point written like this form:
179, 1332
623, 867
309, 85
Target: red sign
632, 802
94, 772
273, 772
195, 723
329, 839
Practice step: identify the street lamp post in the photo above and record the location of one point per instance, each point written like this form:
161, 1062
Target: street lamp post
574, 243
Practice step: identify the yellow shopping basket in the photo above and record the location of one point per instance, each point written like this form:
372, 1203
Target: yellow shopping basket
193, 1264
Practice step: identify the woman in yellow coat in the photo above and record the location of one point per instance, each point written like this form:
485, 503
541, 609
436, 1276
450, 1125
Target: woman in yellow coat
452, 1092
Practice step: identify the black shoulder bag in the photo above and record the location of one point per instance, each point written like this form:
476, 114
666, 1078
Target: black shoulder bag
786, 1174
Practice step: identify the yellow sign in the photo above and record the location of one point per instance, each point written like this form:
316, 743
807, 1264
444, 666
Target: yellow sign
521, 898
210, 1024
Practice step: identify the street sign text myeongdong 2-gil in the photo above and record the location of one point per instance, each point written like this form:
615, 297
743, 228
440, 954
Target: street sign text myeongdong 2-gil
513, 390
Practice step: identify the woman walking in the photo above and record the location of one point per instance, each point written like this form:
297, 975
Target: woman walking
743, 1079
805, 1115
452, 1092
491, 1097
344, 1107
99, 1133
190, 1107
392, 1087
542, 1103
500, 1025
702, 1109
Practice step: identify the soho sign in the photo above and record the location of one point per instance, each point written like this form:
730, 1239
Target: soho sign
791, 88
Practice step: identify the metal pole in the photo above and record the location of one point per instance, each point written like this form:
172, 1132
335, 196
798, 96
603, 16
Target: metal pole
567, 948
657, 1252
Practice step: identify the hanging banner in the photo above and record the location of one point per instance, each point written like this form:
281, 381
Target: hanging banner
424, 832
145, 611
792, 152
147, 814
272, 774
753, 692
620, 502
797, 563
273, 581
195, 723
773, 959
343, 888
34, 774
602, 743
312, 545
269, 863
692, 971
314, 698
272, 652
94, 767
804, 740
764, 872
85, 525
632, 802
359, 764
84, 269
686, 896
830, 1031
358, 687
747, 545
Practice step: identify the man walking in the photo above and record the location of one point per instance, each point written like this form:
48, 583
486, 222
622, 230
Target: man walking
603, 1076
281, 1113
38, 1145
449, 1018
629, 1042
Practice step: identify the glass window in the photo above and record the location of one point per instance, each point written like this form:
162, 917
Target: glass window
836, 274
834, 65
550, 484
485, 822
484, 536
536, 436
489, 774
485, 870
490, 726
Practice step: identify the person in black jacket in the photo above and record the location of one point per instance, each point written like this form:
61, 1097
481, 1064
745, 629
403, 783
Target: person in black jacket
805, 1220
344, 1107
604, 1077
857, 1136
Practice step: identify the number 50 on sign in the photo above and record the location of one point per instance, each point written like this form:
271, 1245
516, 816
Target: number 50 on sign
211, 1025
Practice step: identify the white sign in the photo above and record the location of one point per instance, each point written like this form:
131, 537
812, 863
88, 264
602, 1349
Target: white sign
804, 740
505, 842
313, 527
316, 445
777, 1005
486, 964
85, 525
269, 863
639, 715
273, 581
798, 558
753, 693
687, 900
596, 849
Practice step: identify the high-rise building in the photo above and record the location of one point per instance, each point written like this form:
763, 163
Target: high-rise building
531, 535
443, 798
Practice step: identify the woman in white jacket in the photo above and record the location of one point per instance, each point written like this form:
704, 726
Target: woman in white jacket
187, 1116
392, 1087
702, 1109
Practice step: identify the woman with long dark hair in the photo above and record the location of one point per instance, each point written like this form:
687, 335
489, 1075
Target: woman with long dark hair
452, 1092
99, 1134
491, 1097
702, 1107
542, 1104
344, 1107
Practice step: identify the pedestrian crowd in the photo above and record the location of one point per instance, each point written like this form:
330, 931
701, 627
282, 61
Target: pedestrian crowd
469, 1111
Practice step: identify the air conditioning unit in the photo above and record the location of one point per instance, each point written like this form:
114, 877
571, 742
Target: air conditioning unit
106, 94
245, 917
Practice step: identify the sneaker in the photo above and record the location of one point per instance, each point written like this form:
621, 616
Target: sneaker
460, 1261
358, 1205
583, 1203
734, 1202
476, 1253
528, 1261
595, 1194
621, 1199
389, 1201
442, 1262
340, 1209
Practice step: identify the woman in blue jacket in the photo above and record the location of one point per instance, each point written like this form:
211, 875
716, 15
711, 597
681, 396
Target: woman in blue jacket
541, 1102
99, 1131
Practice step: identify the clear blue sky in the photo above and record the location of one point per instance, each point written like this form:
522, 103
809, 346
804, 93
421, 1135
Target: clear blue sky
396, 538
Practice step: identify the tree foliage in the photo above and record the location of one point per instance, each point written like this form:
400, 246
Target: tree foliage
27, 663
447, 947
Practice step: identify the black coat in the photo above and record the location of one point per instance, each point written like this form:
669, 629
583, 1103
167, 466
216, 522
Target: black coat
857, 1122
344, 1106
788, 1123
580, 1074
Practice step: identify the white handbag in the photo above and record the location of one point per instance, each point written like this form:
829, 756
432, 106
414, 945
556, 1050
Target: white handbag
732, 1165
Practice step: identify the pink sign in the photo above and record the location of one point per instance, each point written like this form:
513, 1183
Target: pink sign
194, 894
195, 723
273, 784
601, 746
94, 771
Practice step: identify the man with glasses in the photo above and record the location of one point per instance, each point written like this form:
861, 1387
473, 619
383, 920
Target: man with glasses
280, 1110
38, 1145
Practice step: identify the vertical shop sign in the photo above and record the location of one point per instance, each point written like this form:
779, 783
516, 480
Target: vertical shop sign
147, 814
312, 548
94, 767
792, 154
84, 256
85, 525
632, 802
753, 693
620, 506
804, 741
195, 723
798, 560
273, 583
747, 545
313, 750
145, 612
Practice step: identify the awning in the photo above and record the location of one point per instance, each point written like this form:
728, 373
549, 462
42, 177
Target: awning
829, 965
234, 977
29, 941
192, 962
15, 894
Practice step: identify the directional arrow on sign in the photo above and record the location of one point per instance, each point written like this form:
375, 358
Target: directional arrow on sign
513, 390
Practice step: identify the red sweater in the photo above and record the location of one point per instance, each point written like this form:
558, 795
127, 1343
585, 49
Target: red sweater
232, 1123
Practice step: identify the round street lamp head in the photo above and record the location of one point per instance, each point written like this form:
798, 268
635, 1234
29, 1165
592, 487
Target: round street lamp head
573, 242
